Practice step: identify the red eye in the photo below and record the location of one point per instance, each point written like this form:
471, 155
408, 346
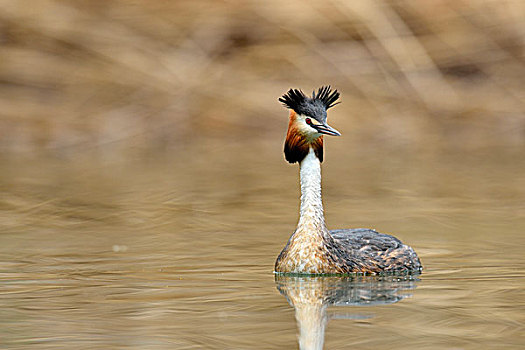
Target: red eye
308, 121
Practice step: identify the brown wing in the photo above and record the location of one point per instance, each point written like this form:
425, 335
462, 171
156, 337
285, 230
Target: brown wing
376, 252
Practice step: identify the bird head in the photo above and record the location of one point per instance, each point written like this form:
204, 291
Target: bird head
308, 122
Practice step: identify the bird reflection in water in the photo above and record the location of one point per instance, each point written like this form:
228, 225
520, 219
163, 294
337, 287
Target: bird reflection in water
310, 297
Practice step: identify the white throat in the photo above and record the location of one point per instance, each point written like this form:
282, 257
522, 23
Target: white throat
311, 213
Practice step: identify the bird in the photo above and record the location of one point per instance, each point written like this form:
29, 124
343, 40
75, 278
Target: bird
312, 249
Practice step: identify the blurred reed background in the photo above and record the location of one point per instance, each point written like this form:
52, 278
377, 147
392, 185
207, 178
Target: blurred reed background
123, 76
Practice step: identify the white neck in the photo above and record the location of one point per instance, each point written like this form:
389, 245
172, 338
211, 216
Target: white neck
311, 203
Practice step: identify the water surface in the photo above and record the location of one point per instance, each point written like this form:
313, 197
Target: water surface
176, 252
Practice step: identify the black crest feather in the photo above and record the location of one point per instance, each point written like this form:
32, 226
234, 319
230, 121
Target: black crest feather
326, 96
296, 99
293, 99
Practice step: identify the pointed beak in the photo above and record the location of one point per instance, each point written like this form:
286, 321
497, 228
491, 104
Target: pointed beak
327, 130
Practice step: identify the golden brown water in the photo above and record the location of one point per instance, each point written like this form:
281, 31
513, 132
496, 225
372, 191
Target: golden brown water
177, 252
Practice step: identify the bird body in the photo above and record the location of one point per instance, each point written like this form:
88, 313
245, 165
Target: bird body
312, 248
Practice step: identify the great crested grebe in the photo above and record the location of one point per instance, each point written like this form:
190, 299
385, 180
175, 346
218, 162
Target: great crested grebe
312, 249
